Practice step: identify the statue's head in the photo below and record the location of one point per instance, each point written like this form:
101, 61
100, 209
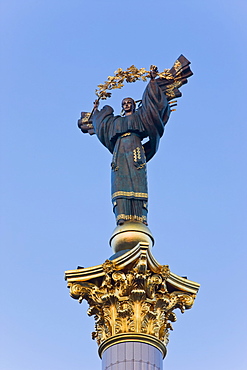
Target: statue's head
128, 105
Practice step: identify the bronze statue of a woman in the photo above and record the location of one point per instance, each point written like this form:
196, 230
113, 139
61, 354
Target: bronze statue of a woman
123, 135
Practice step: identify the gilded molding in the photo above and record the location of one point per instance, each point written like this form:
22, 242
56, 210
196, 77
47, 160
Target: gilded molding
131, 217
135, 337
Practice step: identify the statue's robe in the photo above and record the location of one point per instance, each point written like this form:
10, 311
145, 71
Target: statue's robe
123, 136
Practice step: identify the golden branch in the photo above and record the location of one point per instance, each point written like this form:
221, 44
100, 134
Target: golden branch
132, 74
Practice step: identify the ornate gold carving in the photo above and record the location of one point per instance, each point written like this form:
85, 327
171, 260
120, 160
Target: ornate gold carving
141, 166
122, 216
169, 92
132, 298
177, 65
137, 154
85, 117
114, 167
129, 194
126, 134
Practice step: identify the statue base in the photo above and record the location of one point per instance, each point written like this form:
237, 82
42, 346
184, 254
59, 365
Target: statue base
128, 235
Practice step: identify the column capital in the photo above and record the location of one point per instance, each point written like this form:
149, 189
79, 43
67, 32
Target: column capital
132, 296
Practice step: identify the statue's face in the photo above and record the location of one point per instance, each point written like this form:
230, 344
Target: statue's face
128, 105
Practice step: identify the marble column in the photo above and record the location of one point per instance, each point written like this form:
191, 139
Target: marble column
132, 356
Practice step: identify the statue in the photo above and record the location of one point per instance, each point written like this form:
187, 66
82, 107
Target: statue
123, 136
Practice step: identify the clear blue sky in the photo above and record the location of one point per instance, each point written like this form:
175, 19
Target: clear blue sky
55, 187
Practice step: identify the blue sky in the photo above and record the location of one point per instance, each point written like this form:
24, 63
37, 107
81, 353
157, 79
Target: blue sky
55, 188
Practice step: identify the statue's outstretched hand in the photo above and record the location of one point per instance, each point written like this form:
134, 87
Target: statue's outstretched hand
153, 71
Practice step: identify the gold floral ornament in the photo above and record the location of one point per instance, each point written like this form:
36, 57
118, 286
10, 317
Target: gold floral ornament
132, 74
